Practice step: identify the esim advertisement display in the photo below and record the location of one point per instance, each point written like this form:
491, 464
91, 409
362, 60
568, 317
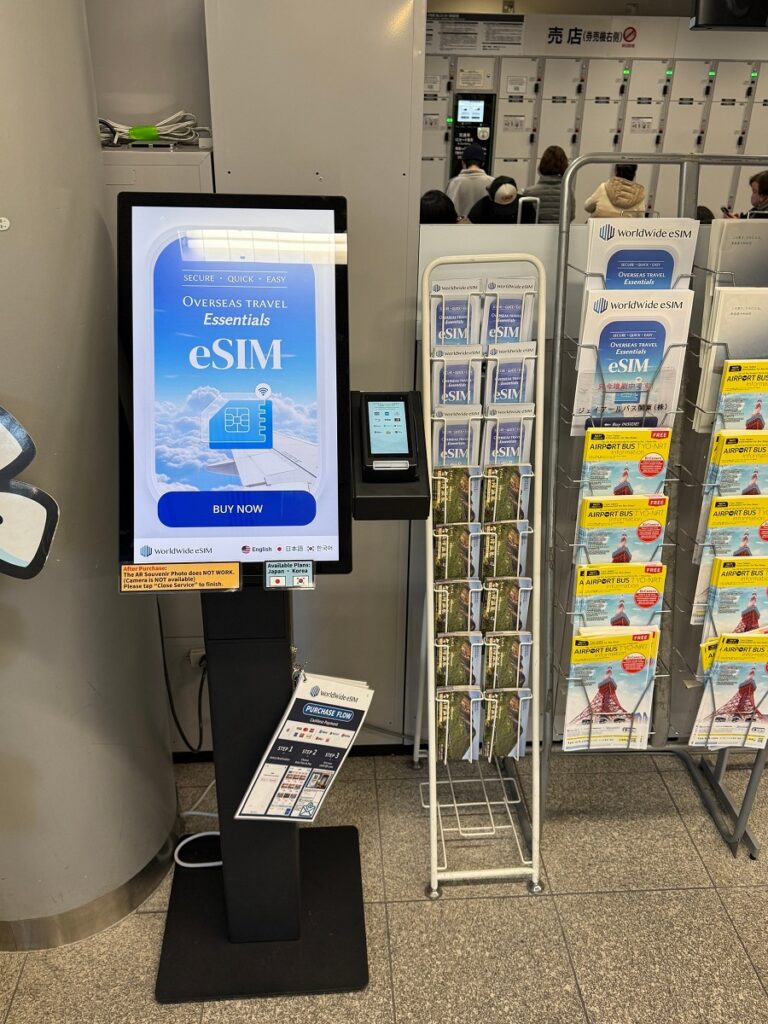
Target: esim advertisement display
238, 342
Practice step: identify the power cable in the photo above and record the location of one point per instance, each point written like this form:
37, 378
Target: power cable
200, 690
180, 129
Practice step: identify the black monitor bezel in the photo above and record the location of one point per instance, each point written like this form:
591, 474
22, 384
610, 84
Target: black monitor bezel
126, 202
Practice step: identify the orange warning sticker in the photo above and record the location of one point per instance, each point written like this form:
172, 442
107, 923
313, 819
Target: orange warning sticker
138, 579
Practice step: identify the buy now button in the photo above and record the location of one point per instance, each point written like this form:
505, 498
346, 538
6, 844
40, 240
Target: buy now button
236, 508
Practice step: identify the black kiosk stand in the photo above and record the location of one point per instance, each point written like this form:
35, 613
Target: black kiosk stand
240, 303
284, 915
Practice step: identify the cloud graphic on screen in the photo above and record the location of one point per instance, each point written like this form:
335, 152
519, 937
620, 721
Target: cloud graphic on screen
179, 446
294, 418
182, 454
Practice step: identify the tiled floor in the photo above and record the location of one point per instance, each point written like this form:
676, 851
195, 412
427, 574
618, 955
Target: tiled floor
646, 918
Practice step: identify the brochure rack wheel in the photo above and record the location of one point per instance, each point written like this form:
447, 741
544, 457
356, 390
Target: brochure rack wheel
729, 816
284, 915
488, 804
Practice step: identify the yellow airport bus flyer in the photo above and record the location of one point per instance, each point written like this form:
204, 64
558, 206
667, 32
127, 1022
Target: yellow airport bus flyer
738, 596
738, 465
621, 462
736, 528
743, 395
610, 691
733, 708
621, 530
616, 595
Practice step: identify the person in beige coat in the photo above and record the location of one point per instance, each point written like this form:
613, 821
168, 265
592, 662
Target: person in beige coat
620, 196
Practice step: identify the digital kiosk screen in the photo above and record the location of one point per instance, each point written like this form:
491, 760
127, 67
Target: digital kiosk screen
234, 319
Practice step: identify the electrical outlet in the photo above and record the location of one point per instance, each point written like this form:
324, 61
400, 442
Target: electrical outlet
508, 7
196, 656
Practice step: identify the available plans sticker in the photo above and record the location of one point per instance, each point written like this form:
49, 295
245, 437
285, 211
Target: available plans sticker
289, 575
136, 579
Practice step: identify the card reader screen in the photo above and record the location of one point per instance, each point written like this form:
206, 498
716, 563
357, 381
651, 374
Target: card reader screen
387, 428
471, 111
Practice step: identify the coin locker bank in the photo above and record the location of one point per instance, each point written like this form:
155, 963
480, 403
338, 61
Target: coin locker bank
243, 459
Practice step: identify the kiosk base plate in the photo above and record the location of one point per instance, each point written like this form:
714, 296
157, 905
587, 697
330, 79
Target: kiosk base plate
198, 962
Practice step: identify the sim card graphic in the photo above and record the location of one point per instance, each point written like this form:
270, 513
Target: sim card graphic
241, 423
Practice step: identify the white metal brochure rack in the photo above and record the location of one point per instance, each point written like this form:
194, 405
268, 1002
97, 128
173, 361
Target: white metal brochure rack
483, 799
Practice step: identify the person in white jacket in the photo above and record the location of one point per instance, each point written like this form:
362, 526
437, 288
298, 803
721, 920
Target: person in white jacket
620, 196
470, 184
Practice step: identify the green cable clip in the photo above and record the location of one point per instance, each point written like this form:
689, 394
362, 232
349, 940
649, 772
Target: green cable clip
144, 133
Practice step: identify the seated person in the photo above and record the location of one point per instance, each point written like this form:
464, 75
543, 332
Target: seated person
620, 196
758, 199
437, 208
501, 205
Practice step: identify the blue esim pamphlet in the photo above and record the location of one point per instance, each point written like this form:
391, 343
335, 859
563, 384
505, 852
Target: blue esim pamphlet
507, 311
456, 439
456, 381
630, 358
509, 376
507, 437
642, 254
455, 313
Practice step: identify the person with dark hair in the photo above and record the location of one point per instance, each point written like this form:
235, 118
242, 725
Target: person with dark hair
548, 189
437, 208
501, 204
470, 184
620, 196
759, 199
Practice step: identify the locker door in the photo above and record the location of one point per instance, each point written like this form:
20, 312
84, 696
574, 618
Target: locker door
644, 114
562, 77
475, 74
435, 134
600, 130
515, 119
756, 141
684, 128
649, 78
515, 135
518, 77
437, 76
558, 126
601, 123
691, 80
732, 79
724, 131
605, 78
434, 173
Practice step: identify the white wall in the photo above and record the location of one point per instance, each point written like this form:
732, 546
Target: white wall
149, 59
86, 787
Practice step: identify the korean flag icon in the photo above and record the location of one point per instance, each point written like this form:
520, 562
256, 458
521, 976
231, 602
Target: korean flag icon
28, 516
